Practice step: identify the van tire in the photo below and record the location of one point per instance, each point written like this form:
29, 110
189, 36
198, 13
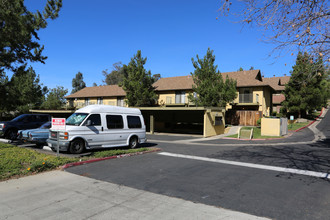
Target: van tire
77, 146
133, 142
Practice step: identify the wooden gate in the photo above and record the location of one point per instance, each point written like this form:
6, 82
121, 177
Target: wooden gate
244, 117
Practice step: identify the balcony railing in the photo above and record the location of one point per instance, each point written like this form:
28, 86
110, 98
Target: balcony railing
245, 98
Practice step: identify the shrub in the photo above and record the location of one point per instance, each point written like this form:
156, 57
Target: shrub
259, 122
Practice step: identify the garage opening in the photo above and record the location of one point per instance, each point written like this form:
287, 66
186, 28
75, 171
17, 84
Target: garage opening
175, 121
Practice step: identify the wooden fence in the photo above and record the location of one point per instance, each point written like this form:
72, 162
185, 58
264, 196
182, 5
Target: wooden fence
243, 117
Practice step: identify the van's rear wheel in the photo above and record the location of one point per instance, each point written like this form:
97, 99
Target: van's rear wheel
77, 146
133, 142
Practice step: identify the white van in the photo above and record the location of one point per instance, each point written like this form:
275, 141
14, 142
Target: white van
100, 126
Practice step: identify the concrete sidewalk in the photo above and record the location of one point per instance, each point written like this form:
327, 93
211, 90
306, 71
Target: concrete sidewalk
62, 195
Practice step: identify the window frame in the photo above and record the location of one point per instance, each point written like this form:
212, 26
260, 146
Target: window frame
107, 117
128, 121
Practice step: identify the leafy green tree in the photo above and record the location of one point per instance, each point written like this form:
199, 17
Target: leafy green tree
209, 86
24, 90
78, 83
19, 44
118, 73
138, 83
55, 98
240, 69
18, 30
156, 77
305, 91
116, 76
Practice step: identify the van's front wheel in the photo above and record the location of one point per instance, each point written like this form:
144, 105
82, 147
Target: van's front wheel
77, 146
133, 142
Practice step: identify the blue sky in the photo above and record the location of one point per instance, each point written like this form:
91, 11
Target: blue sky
90, 36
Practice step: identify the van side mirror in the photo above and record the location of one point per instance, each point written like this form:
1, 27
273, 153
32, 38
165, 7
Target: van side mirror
88, 123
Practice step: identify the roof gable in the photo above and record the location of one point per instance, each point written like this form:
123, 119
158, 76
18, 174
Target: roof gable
278, 83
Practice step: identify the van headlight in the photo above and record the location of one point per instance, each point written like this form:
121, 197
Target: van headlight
64, 135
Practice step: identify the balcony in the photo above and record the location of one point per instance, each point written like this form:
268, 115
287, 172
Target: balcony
245, 98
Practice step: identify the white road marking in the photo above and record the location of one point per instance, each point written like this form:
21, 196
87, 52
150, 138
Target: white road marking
251, 165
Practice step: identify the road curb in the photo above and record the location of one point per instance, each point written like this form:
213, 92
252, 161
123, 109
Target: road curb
107, 158
299, 129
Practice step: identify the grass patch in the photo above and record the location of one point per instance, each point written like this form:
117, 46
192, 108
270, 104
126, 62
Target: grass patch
295, 126
109, 153
256, 134
16, 161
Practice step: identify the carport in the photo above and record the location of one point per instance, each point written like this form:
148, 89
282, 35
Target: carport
206, 121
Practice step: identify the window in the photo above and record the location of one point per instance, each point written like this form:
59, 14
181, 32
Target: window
134, 122
76, 119
41, 118
180, 97
115, 121
257, 98
87, 101
100, 101
95, 120
168, 100
120, 101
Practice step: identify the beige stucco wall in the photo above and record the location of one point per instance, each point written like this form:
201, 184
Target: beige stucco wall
162, 97
209, 128
80, 102
264, 99
270, 127
268, 101
110, 101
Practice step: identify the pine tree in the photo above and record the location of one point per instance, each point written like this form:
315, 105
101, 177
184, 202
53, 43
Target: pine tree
209, 85
138, 83
24, 90
55, 98
304, 91
78, 83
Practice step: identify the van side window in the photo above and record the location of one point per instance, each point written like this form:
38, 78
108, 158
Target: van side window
95, 119
134, 122
114, 121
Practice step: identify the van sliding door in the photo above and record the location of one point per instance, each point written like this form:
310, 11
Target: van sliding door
114, 130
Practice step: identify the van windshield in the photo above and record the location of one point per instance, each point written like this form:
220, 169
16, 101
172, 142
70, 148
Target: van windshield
76, 119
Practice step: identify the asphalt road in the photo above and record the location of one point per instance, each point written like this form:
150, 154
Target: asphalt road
261, 192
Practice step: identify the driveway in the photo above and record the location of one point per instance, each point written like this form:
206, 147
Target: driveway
274, 180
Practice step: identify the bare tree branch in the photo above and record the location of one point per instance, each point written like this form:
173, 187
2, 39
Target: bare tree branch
293, 25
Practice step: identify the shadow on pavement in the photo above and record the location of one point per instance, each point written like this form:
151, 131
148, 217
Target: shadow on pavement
297, 157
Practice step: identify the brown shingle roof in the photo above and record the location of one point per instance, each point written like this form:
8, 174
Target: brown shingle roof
278, 83
174, 83
244, 79
278, 98
249, 78
98, 91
